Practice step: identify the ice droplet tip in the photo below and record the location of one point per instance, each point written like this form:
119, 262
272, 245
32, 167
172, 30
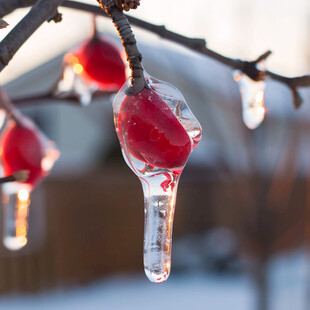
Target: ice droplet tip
14, 243
157, 277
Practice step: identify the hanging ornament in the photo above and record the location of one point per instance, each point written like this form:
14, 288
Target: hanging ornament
157, 133
23, 148
97, 64
252, 97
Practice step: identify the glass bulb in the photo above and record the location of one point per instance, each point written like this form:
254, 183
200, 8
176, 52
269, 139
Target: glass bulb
157, 133
252, 97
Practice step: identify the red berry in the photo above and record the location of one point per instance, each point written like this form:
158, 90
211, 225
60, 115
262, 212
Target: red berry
22, 150
99, 61
152, 133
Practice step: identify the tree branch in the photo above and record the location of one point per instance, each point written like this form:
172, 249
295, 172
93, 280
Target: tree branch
199, 45
134, 57
50, 96
3, 23
17, 37
44, 10
8, 6
18, 176
6, 104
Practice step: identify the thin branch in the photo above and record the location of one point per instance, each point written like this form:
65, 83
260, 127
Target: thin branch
8, 6
44, 10
18, 176
199, 45
84, 7
134, 57
71, 98
263, 56
3, 23
299, 81
7, 105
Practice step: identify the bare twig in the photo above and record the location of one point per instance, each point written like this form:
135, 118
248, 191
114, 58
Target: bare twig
297, 100
71, 98
42, 11
18, 176
263, 56
7, 105
134, 57
8, 6
199, 45
57, 18
3, 23
299, 81
84, 7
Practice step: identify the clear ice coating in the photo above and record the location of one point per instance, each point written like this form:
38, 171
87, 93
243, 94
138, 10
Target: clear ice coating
96, 64
16, 201
23, 147
71, 82
157, 133
252, 97
3, 116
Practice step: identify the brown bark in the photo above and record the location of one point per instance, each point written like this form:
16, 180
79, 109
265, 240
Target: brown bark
41, 12
8, 6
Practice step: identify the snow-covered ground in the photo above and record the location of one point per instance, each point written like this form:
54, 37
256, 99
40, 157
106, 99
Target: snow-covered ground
136, 293
181, 291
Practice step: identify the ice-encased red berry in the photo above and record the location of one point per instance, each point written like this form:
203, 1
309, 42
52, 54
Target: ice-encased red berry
22, 150
102, 63
151, 131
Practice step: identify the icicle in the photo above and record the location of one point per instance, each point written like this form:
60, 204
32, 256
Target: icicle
157, 133
252, 97
159, 202
16, 201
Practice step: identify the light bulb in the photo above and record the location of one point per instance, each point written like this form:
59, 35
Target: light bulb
252, 97
157, 133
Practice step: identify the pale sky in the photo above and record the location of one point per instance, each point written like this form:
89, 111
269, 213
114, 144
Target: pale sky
237, 28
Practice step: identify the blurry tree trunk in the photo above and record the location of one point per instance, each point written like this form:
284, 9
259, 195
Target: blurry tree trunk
307, 240
260, 276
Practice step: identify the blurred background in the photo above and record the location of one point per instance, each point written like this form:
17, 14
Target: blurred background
242, 221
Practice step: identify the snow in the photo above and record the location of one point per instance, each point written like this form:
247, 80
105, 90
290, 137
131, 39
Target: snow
200, 290
288, 281
137, 293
